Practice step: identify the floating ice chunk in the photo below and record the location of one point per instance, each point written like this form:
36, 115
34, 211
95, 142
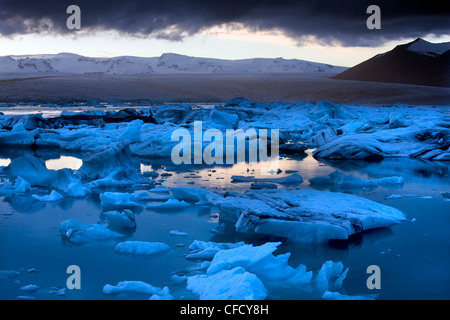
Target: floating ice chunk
57, 291
123, 219
339, 180
21, 185
178, 233
132, 133
304, 215
171, 204
80, 232
330, 276
25, 298
137, 287
8, 274
339, 296
207, 250
394, 196
34, 171
121, 200
178, 279
224, 119
189, 194
52, 197
397, 120
65, 181
160, 189
234, 284
18, 136
141, 247
293, 178
351, 127
31, 169
29, 288
259, 260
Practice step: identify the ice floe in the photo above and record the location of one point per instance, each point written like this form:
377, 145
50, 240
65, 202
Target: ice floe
81, 233
234, 284
141, 247
338, 180
207, 250
304, 215
169, 205
123, 219
138, 287
123, 200
53, 196
246, 272
34, 171
337, 131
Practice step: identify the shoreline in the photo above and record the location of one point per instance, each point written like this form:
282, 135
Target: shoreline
212, 88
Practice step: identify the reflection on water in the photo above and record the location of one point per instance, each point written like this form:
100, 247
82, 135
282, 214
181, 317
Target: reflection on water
4, 162
64, 162
413, 256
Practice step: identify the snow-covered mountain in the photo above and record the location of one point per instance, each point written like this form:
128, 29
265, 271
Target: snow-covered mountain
167, 63
417, 62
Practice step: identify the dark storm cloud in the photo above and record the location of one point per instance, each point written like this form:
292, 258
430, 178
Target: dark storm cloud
337, 21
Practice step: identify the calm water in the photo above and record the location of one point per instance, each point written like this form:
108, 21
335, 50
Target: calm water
414, 257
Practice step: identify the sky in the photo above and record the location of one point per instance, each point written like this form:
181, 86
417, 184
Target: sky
327, 31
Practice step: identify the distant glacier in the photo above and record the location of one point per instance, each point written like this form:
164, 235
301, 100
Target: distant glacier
168, 63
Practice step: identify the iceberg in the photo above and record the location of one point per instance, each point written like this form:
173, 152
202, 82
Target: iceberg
122, 200
178, 233
171, 204
8, 274
29, 287
293, 178
234, 284
81, 233
141, 247
304, 215
330, 276
224, 119
251, 272
259, 260
124, 219
53, 196
20, 186
34, 171
207, 250
338, 180
189, 194
138, 287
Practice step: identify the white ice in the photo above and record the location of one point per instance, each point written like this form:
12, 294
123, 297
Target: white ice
141, 247
138, 287
80, 232
124, 219
53, 196
304, 215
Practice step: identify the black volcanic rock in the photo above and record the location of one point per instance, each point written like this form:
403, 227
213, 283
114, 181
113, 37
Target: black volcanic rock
418, 62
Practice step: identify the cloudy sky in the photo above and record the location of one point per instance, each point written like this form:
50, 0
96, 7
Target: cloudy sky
330, 31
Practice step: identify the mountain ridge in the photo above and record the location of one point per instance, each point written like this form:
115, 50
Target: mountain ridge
418, 62
67, 62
